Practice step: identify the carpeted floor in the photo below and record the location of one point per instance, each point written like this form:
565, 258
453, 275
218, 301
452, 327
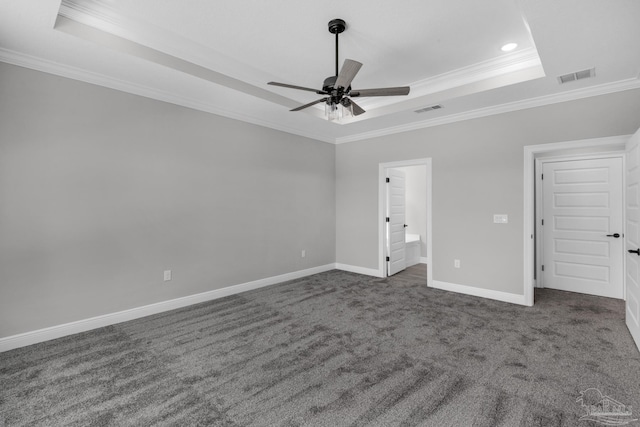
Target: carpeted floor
334, 349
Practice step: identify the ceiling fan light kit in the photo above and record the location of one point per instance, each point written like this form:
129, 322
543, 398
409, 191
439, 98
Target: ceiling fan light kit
337, 89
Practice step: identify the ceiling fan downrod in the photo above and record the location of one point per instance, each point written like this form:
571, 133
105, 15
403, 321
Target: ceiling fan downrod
337, 26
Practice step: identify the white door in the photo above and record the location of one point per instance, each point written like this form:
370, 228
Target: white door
583, 228
395, 224
633, 237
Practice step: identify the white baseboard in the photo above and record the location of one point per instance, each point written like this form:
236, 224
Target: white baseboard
479, 292
423, 260
58, 331
359, 270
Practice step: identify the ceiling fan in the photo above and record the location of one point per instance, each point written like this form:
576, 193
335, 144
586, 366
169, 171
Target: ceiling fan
337, 89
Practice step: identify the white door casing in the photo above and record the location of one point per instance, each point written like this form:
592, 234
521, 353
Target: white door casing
383, 173
632, 237
582, 205
533, 155
395, 225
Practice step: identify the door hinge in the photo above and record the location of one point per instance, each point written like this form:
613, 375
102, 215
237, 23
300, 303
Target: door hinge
388, 180
387, 219
388, 259
543, 268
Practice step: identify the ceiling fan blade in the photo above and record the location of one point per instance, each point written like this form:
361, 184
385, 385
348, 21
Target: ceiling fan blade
319, 92
302, 107
348, 71
357, 110
382, 91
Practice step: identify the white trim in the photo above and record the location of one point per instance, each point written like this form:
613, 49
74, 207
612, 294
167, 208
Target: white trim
581, 143
480, 292
603, 89
528, 226
382, 173
423, 260
530, 152
624, 221
100, 16
538, 282
587, 156
46, 334
382, 197
51, 67
74, 73
484, 70
359, 270
474, 73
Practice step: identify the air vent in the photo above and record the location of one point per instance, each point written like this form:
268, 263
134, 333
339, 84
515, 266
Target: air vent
578, 75
433, 107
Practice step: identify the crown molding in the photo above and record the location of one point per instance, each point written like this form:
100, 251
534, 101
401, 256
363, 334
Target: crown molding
106, 19
505, 64
81, 10
603, 89
74, 73
51, 67
495, 67
103, 17
472, 74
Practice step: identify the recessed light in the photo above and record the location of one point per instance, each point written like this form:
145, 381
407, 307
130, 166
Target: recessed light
509, 47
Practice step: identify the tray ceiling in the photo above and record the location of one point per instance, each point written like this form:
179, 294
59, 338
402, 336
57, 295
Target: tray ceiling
218, 56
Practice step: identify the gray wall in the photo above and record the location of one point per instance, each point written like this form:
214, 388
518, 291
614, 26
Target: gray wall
477, 171
100, 191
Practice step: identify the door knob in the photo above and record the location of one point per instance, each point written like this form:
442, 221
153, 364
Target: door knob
616, 235
634, 251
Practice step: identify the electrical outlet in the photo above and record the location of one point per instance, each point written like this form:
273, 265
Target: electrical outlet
303, 253
167, 275
456, 263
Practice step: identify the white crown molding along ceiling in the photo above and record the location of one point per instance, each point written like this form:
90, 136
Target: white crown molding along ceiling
62, 70
165, 56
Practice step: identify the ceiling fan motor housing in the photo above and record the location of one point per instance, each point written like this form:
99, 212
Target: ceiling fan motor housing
337, 26
335, 93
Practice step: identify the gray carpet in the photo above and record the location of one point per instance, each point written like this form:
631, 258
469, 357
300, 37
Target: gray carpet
334, 349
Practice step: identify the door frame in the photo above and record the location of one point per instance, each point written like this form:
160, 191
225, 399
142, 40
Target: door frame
382, 197
531, 152
539, 205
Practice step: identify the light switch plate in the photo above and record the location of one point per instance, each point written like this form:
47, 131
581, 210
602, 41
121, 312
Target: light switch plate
500, 218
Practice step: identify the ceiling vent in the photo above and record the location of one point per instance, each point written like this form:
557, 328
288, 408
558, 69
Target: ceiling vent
433, 107
578, 75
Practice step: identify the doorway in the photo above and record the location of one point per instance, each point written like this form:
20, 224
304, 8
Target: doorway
580, 237
420, 222
533, 154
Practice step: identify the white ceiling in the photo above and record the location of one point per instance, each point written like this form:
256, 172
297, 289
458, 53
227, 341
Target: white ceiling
218, 56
